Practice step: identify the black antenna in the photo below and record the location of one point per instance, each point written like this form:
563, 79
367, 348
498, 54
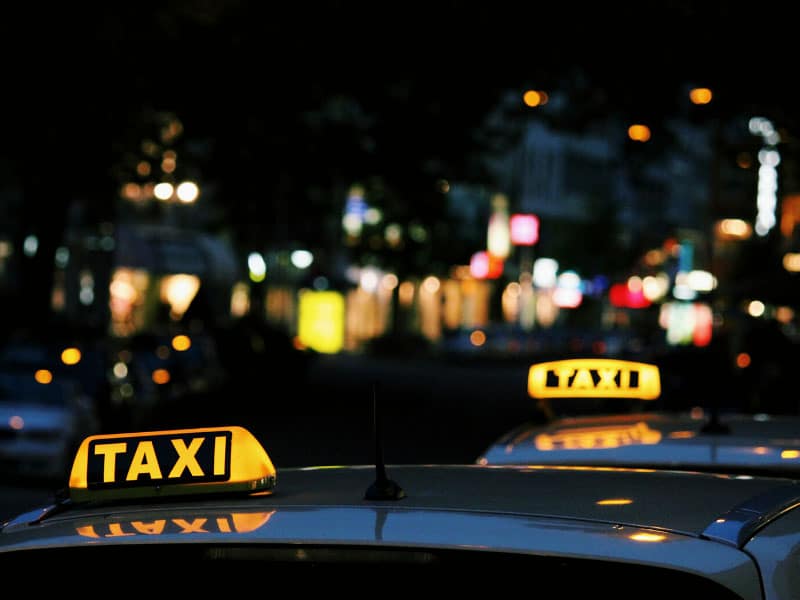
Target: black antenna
714, 425
382, 488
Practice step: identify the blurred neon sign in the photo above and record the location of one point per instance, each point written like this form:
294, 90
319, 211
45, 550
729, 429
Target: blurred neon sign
524, 229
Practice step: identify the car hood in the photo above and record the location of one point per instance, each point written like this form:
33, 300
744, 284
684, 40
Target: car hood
741, 443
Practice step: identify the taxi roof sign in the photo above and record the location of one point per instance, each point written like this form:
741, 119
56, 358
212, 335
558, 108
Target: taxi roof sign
594, 378
170, 463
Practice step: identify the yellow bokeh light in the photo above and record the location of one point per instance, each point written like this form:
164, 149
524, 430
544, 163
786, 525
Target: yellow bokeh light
43, 376
160, 376
534, 98
700, 96
179, 290
71, 356
477, 338
639, 133
733, 229
181, 343
791, 262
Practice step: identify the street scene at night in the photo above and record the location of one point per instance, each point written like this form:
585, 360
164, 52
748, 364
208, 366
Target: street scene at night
460, 239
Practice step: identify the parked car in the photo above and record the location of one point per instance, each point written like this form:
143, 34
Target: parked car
43, 418
602, 413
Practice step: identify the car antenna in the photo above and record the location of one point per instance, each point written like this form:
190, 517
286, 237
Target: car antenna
382, 488
714, 425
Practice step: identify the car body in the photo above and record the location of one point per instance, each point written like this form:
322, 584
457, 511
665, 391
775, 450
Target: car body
42, 422
172, 507
620, 427
734, 443
600, 415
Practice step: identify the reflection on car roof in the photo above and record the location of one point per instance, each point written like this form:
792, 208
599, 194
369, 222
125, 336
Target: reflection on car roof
519, 490
654, 439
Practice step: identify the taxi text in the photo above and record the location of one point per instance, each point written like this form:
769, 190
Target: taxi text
594, 378
145, 460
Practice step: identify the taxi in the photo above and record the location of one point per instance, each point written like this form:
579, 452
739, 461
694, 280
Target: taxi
194, 510
621, 428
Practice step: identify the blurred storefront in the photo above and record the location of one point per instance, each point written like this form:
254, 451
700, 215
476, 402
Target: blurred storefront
159, 268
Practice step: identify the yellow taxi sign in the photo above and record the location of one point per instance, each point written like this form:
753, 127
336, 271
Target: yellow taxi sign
594, 378
169, 463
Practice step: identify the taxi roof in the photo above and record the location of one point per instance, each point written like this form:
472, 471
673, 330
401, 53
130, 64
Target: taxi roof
636, 497
594, 515
739, 443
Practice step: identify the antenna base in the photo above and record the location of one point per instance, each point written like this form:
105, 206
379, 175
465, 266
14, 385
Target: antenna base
384, 489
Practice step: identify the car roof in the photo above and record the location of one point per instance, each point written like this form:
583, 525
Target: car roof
603, 515
635, 497
735, 442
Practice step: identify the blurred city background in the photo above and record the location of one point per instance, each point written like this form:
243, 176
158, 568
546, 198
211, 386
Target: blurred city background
203, 218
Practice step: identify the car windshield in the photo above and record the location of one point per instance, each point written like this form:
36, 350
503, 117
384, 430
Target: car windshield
319, 225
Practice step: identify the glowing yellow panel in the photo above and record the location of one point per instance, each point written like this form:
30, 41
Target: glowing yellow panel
321, 321
594, 378
169, 463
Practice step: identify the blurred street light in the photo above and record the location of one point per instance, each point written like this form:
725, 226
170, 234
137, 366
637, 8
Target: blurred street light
733, 229
639, 133
700, 95
187, 192
535, 98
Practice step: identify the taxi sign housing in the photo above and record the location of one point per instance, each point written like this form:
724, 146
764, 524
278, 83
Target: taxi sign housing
170, 463
594, 378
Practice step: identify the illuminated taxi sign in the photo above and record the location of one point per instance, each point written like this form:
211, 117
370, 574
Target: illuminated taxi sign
166, 463
594, 378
